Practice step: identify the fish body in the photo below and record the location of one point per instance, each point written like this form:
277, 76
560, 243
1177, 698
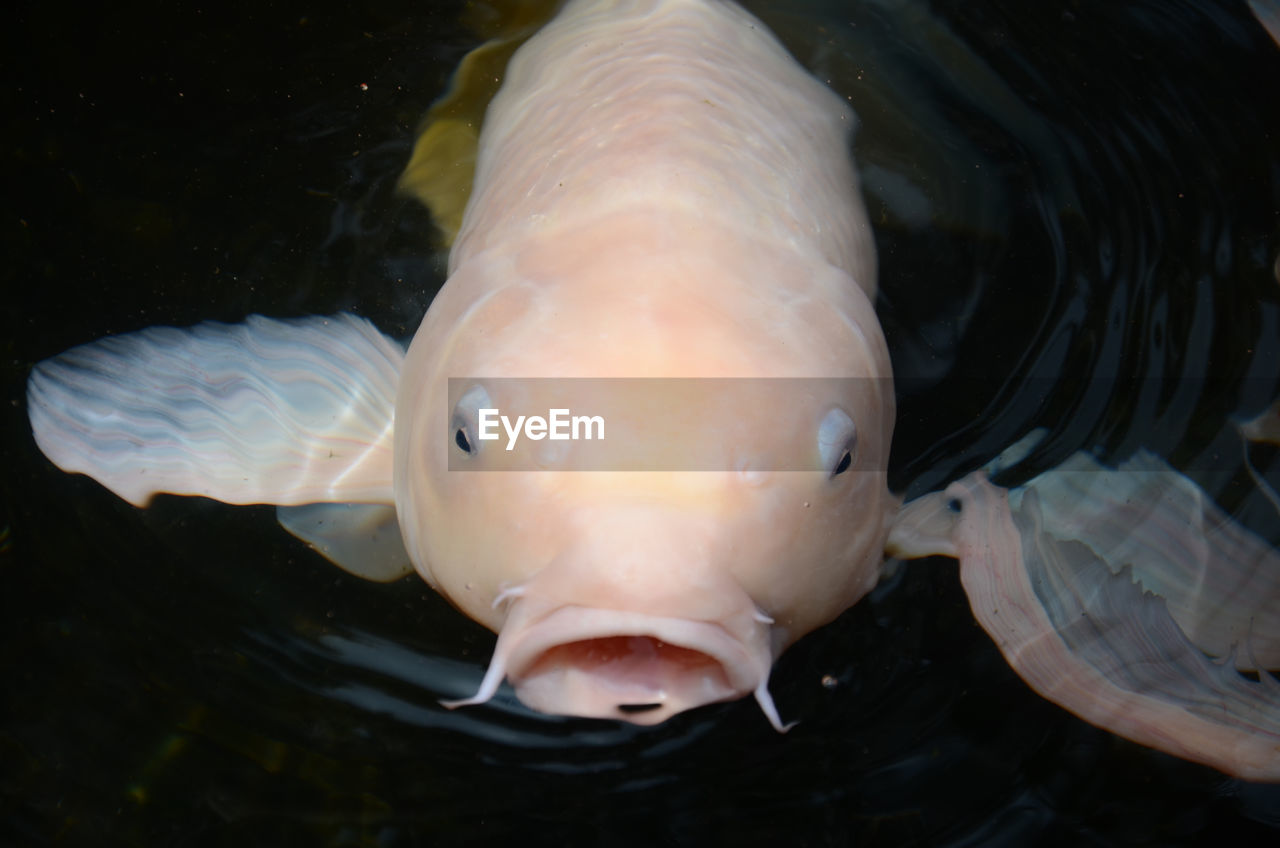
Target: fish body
661, 193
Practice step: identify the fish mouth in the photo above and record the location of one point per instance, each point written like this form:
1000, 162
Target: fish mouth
640, 677
602, 663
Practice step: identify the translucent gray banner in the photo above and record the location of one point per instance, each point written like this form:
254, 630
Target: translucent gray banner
665, 424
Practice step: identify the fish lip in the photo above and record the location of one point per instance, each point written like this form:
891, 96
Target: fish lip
737, 664
571, 624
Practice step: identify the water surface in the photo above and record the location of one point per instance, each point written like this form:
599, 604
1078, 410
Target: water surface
1076, 211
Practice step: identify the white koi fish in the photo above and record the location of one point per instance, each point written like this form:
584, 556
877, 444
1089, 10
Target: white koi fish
665, 230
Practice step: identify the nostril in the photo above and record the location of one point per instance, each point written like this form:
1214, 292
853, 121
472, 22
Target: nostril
637, 708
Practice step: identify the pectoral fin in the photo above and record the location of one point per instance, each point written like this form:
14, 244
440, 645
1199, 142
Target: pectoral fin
361, 539
268, 411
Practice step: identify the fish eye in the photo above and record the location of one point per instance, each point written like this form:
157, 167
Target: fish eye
465, 421
846, 459
837, 440
460, 439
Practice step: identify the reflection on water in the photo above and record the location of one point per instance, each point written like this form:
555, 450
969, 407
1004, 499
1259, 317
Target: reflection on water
1063, 195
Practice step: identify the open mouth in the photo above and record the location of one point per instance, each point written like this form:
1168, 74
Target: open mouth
630, 675
602, 663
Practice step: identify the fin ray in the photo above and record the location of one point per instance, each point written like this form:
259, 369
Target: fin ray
268, 411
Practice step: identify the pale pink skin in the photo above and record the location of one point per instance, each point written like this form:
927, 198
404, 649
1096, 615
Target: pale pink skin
661, 192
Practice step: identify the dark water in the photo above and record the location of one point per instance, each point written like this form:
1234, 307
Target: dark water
1072, 201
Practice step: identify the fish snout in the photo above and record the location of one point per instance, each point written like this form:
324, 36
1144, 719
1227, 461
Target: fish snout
612, 664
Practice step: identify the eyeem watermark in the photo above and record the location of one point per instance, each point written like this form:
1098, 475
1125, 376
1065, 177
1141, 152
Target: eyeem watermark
730, 424
785, 424
560, 425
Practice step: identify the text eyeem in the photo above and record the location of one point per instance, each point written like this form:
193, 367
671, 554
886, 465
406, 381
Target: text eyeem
559, 425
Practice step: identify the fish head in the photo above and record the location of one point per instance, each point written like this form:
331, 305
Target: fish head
733, 500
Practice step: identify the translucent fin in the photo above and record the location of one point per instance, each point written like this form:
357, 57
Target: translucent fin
267, 411
443, 164
361, 539
1016, 452
1264, 428
1098, 644
1220, 581
1268, 14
